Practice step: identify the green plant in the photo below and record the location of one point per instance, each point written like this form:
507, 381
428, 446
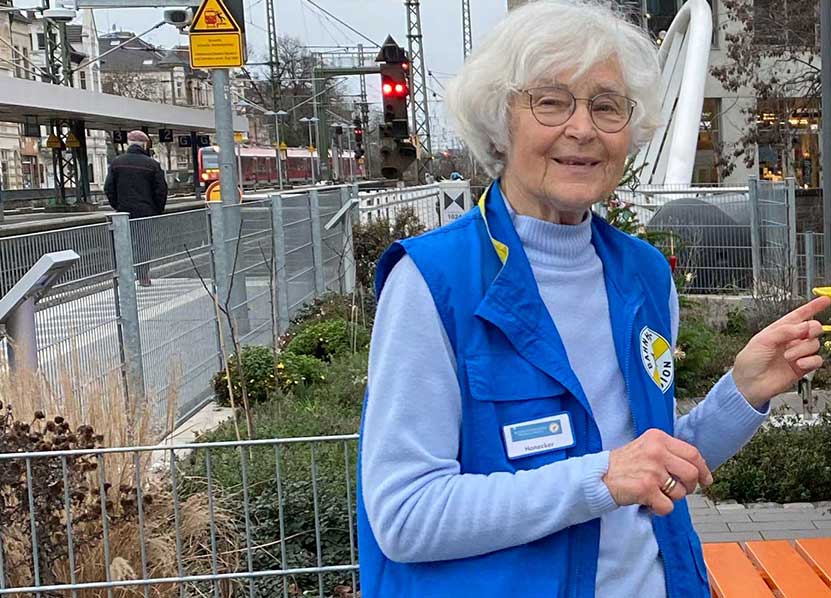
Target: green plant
372, 238
786, 462
298, 370
359, 307
258, 369
329, 338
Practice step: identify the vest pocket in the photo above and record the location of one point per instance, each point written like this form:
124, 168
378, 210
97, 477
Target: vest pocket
507, 390
505, 376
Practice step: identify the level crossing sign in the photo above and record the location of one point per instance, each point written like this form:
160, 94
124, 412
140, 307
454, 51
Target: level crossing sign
216, 39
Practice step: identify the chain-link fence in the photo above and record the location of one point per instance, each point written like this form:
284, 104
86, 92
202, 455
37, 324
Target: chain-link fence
148, 298
262, 518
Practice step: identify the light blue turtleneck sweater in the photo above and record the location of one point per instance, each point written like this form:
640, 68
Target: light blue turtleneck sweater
421, 508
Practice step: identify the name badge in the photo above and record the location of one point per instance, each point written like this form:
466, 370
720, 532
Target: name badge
538, 436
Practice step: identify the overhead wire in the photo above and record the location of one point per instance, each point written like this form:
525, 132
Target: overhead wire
342, 22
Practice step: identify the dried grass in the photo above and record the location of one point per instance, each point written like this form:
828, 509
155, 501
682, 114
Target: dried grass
103, 407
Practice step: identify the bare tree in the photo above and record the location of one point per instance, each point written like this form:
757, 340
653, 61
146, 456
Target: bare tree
771, 50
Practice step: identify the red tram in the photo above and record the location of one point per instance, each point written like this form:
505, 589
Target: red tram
259, 165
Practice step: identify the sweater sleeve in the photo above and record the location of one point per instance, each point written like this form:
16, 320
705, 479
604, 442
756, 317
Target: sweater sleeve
721, 424
419, 504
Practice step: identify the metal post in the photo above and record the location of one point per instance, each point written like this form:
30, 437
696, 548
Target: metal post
225, 138
311, 153
793, 264
755, 234
279, 152
280, 274
348, 283
317, 241
351, 156
825, 39
220, 265
194, 156
22, 332
128, 306
810, 260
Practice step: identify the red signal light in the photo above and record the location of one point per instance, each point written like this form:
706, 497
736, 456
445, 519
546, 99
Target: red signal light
405, 66
387, 88
400, 89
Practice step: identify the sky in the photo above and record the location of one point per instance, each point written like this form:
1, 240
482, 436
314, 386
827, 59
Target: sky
441, 23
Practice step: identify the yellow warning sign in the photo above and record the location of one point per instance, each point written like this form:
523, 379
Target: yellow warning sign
283, 145
72, 141
219, 51
213, 192
216, 40
53, 142
214, 17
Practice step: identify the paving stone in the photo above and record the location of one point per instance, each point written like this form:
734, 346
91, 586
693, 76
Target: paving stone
824, 524
702, 528
730, 536
794, 534
770, 525
782, 515
723, 517
763, 505
823, 504
698, 501
725, 507
797, 506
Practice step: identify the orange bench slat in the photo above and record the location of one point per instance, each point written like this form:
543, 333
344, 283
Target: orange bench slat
789, 573
817, 551
732, 575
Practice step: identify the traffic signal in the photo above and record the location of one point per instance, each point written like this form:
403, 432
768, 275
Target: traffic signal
359, 131
397, 150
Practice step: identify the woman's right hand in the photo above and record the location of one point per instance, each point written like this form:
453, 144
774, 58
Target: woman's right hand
638, 470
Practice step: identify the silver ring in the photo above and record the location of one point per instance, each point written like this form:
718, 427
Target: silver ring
669, 485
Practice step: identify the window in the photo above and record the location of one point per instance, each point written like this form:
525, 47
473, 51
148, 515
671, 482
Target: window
18, 63
709, 132
82, 78
781, 23
147, 62
91, 172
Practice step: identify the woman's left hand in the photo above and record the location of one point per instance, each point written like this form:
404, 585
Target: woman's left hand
773, 360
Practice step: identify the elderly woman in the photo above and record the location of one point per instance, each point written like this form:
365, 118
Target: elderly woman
519, 434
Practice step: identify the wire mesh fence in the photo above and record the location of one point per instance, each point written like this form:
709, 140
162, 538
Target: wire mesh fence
249, 518
146, 299
76, 315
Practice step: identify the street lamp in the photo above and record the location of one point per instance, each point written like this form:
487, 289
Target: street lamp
278, 116
310, 121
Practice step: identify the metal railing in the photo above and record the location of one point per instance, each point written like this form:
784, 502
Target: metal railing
141, 301
246, 518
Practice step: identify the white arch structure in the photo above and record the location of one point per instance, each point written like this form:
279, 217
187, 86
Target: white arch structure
669, 157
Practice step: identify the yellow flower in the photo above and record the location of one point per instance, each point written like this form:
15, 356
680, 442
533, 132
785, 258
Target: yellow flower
827, 345
280, 366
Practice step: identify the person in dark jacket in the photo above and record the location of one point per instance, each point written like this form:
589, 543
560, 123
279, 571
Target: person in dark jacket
136, 185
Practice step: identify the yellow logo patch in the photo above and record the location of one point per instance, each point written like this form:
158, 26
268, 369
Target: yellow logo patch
656, 355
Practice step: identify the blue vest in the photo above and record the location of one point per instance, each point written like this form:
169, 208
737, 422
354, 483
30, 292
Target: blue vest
512, 367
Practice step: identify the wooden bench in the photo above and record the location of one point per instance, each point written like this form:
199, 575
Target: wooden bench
768, 569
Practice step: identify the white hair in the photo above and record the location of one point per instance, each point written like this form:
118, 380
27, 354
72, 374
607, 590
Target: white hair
532, 45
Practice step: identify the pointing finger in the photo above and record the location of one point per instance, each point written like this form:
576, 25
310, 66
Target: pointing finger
806, 311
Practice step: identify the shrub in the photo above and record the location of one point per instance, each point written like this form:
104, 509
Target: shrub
299, 370
371, 239
258, 369
329, 338
335, 306
783, 463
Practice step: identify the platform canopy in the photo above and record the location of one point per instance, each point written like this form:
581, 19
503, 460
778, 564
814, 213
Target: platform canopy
26, 101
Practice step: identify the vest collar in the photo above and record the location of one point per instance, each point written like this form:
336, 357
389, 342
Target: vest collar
513, 304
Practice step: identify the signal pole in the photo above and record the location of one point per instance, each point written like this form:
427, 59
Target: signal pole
467, 35
418, 89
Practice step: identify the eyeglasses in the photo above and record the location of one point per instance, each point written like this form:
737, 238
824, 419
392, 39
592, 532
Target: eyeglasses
553, 106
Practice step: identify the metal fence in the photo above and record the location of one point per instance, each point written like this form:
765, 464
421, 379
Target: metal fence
739, 240
141, 302
261, 518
